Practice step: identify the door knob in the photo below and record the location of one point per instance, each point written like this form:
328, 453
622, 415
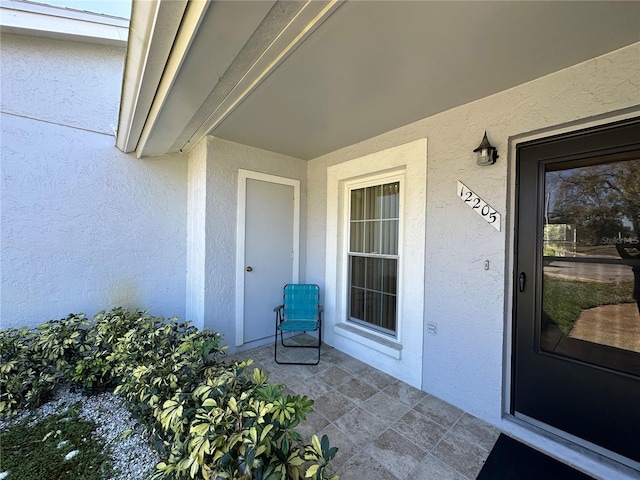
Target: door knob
249, 269
521, 281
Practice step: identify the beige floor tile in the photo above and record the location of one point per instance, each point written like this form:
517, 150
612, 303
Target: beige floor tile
333, 356
288, 375
439, 411
303, 340
396, 453
333, 405
384, 429
430, 468
334, 376
262, 353
385, 407
357, 390
360, 426
297, 355
476, 431
361, 467
313, 425
463, 455
353, 365
377, 379
311, 387
405, 393
419, 429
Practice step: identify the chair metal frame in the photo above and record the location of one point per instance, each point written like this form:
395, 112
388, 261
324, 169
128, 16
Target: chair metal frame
298, 324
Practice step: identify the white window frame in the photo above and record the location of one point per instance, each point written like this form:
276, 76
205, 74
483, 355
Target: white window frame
401, 357
348, 186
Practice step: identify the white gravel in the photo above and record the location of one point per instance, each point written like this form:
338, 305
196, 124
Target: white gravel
132, 457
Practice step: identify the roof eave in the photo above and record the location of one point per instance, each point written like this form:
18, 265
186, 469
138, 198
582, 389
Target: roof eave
152, 33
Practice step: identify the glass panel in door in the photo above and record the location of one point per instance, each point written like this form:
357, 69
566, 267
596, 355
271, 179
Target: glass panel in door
591, 264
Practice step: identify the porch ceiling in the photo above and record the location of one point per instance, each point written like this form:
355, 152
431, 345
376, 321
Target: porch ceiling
306, 78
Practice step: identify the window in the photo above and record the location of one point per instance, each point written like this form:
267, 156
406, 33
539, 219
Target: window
400, 350
374, 226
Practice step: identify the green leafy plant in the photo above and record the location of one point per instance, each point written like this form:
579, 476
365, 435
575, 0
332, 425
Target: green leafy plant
155, 359
206, 417
321, 453
237, 426
62, 342
26, 378
96, 368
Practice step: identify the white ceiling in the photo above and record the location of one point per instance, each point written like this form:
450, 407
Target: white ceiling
365, 67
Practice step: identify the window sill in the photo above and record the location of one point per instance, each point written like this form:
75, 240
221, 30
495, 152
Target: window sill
382, 345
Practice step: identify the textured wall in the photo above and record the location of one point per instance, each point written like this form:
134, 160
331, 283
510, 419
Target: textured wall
196, 239
463, 363
84, 227
223, 160
411, 161
61, 82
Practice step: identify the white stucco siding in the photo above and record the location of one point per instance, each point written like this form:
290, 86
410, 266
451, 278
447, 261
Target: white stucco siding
400, 356
196, 239
61, 82
84, 227
464, 362
222, 160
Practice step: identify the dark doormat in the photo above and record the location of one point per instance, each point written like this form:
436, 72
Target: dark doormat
512, 460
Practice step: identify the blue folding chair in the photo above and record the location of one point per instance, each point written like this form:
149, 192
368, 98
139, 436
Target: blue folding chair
300, 312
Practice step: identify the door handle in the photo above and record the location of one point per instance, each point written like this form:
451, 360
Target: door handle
249, 269
521, 280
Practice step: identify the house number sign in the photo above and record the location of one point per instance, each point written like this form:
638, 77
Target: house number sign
482, 208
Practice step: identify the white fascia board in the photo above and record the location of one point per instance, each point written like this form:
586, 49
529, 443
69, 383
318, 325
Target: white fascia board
154, 26
24, 18
188, 28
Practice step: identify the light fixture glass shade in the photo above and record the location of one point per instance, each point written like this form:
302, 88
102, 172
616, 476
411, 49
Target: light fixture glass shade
484, 157
486, 153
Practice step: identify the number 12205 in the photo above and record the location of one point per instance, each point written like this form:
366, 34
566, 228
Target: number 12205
478, 205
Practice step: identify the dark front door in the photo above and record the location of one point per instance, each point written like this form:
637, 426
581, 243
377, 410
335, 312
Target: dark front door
577, 285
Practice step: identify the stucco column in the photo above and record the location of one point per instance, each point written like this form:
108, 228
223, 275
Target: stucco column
196, 218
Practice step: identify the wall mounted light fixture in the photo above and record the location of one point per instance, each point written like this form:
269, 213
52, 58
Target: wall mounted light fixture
486, 153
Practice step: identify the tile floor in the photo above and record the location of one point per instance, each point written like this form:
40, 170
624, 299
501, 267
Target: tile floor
384, 428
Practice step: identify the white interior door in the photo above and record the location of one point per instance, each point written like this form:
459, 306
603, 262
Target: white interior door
268, 257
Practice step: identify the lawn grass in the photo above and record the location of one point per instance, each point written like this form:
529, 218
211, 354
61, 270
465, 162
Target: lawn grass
36, 451
563, 300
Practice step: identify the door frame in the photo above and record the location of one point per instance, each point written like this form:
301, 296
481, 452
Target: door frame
529, 424
243, 176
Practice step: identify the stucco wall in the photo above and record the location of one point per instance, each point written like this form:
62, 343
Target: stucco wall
218, 206
62, 82
196, 240
400, 356
84, 227
464, 362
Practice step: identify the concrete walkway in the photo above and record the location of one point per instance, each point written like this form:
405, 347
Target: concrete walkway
384, 428
614, 325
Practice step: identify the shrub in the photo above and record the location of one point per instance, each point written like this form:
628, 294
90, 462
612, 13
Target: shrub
98, 368
34, 362
61, 343
155, 360
206, 417
26, 378
237, 426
